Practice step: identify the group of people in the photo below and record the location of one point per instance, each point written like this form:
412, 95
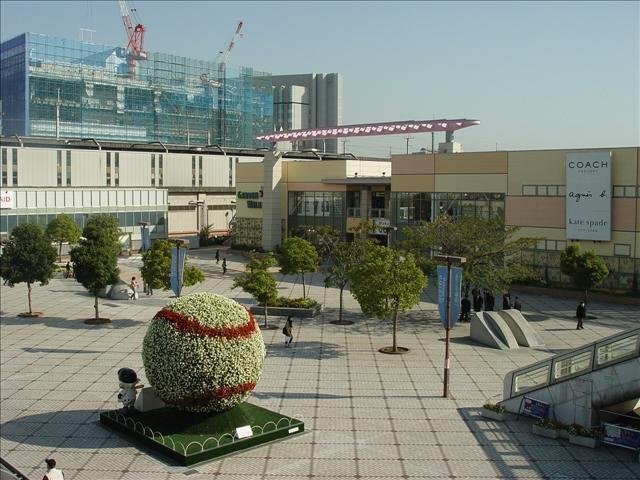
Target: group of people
133, 286
486, 300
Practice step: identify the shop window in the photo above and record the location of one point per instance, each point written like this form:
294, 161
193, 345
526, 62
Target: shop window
621, 250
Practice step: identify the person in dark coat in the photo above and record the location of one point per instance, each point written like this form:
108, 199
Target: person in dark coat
224, 266
506, 301
287, 331
465, 309
516, 304
581, 313
489, 301
217, 256
477, 301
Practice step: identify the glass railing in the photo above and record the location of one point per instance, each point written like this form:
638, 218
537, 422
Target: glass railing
611, 350
353, 212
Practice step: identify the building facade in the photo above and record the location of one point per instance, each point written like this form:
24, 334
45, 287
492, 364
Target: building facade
177, 190
61, 88
542, 192
308, 101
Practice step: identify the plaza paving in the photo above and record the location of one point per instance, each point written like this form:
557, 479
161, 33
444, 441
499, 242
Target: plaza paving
367, 415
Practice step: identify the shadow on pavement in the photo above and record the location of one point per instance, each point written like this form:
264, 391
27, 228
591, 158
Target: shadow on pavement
309, 350
73, 324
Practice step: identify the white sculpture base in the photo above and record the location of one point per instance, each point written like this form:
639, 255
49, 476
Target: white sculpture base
148, 400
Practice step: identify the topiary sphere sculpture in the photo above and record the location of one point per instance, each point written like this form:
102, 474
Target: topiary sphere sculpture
203, 353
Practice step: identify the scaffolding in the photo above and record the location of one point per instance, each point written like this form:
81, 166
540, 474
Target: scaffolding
172, 99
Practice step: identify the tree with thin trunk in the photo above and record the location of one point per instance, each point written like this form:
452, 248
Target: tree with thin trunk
95, 258
63, 229
299, 256
343, 257
386, 283
258, 282
28, 257
586, 269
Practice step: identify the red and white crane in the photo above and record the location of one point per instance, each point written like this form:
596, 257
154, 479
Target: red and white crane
222, 59
135, 35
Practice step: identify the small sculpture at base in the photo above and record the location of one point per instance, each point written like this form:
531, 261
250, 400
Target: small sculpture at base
128, 379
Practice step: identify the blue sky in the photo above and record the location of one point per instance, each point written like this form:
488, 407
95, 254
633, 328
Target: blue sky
536, 74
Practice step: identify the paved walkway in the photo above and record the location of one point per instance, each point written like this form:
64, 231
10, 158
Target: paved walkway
368, 415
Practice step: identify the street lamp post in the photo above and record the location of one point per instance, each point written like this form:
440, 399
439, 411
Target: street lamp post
450, 259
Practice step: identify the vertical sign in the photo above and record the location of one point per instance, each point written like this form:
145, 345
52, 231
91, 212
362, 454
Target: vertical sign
456, 289
146, 238
177, 268
588, 196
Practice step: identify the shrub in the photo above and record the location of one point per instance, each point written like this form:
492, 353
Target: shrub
581, 431
494, 407
293, 303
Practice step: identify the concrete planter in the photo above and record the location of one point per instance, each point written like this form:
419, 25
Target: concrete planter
545, 432
564, 434
286, 311
588, 442
499, 417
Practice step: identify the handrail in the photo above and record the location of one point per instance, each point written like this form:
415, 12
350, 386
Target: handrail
13, 470
577, 362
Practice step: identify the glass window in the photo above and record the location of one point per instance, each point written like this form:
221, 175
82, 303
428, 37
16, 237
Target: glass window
624, 347
153, 169
200, 170
562, 190
618, 191
14, 153
4, 166
536, 377
569, 366
552, 190
122, 220
622, 250
193, 170
108, 169
542, 190
630, 191
59, 168
160, 171
528, 190
68, 167
117, 169
129, 219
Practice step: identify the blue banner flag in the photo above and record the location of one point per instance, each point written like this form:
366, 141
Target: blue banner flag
456, 289
146, 238
177, 268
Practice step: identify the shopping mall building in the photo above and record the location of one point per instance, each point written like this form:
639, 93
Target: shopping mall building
589, 196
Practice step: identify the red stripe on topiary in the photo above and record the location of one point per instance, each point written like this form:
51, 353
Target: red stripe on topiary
218, 393
186, 324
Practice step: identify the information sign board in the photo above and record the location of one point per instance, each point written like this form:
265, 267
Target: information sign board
534, 408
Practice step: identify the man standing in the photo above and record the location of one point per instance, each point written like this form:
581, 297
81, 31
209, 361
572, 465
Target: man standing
224, 266
477, 300
516, 304
581, 312
53, 473
465, 309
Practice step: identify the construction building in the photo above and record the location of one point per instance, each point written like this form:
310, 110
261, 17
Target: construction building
61, 88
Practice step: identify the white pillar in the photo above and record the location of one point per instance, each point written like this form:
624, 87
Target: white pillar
271, 197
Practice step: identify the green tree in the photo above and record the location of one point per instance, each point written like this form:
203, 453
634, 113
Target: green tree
63, 229
586, 269
258, 283
95, 258
156, 267
342, 258
298, 257
492, 249
386, 283
323, 237
28, 257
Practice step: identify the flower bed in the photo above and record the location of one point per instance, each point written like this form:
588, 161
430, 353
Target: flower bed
494, 412
295, 307
545, 428
585, 437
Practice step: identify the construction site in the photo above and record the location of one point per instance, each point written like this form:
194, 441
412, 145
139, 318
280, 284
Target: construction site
62, 88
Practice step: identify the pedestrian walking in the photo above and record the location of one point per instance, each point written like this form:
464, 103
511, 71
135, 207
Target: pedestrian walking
217, 256
506, 301
465, 309
516, 304
224, 266
287, 330
134, 289
67, 269
53, 473
581, 313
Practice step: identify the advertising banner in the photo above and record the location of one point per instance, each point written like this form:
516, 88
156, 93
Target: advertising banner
534, 408
7, 199
621, 436
588, 196
146, 238
177, 268
456, 289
